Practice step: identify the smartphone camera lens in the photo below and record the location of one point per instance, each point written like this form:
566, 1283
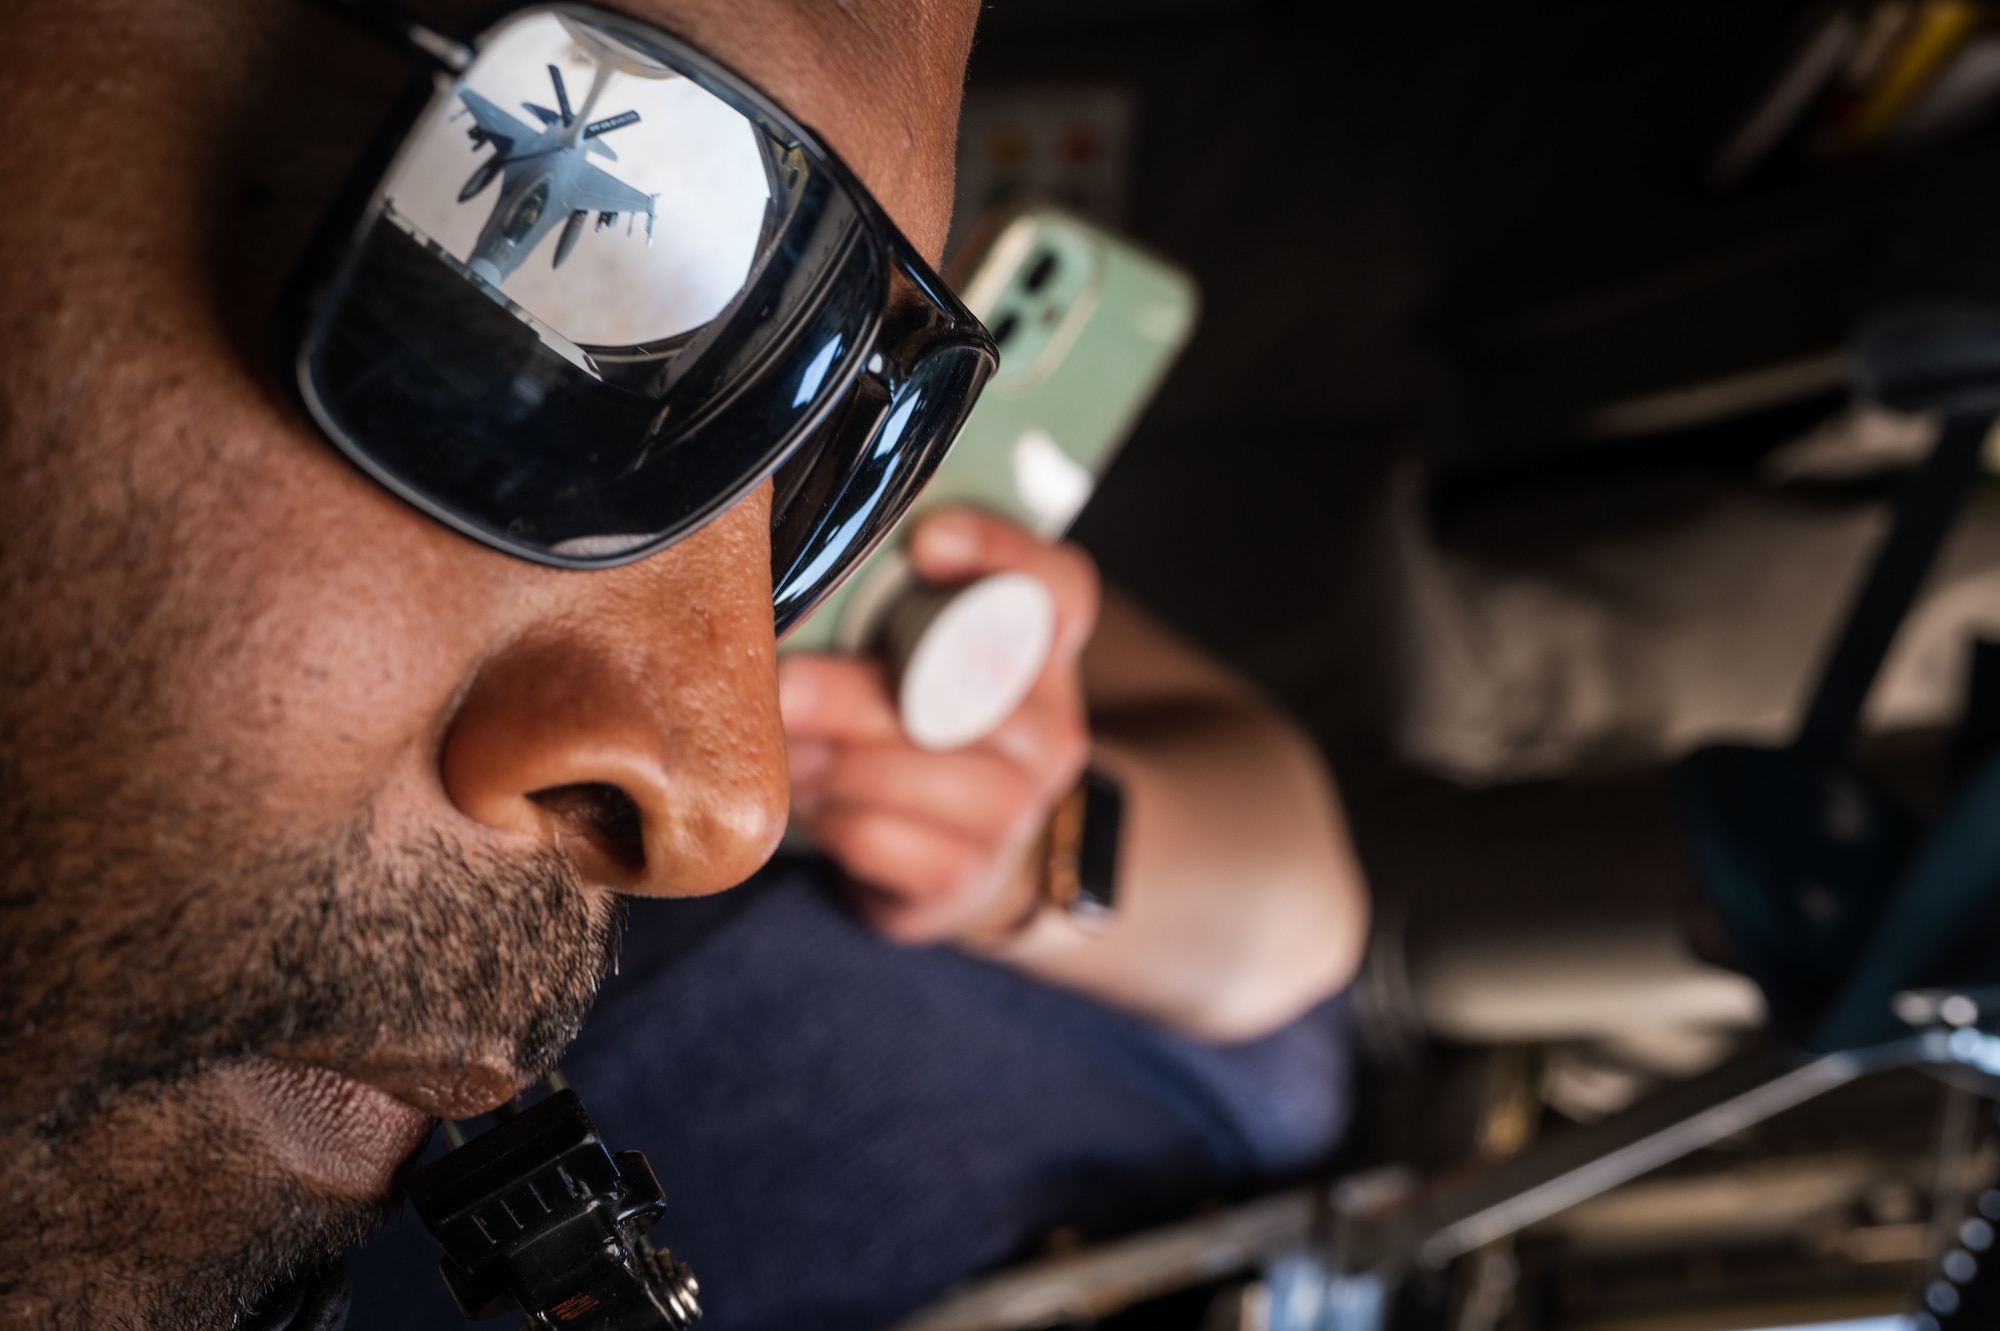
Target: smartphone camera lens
1044, 268
1004, 329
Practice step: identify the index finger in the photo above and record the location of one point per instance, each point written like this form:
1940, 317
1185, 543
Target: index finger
961, 544
837, 698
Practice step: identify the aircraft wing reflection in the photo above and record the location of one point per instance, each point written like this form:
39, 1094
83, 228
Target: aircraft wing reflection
545, 177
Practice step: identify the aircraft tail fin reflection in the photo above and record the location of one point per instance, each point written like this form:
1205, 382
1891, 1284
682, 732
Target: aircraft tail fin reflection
562, 95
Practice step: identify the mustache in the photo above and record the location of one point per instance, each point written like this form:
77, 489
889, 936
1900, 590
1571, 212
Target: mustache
352, 950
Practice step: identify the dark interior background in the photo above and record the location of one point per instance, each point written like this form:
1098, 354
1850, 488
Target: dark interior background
1435, 241
1445, 233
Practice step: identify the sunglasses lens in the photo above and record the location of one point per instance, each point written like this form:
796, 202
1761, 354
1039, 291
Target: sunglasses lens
838, 505
636, 200
593, 301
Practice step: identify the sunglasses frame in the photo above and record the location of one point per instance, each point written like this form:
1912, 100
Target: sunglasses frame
838, 492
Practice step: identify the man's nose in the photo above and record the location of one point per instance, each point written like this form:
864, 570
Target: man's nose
640, 733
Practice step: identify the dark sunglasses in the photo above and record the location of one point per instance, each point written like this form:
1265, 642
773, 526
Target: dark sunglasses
592, 288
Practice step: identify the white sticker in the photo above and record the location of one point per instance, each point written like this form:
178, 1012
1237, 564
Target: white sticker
1052, 485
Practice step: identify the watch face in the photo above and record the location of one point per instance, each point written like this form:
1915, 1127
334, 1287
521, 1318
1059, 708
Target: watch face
1103, 804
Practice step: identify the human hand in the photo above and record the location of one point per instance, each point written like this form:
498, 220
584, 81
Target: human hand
937, 842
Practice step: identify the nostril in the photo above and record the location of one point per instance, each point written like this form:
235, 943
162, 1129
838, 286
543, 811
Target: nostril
651, 759
603, 816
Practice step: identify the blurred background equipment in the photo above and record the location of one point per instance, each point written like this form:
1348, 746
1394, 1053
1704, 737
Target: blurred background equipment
1520, 452
1870, 957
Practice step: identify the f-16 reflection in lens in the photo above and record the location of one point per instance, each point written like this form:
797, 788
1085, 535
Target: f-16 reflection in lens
546, 175
572, 125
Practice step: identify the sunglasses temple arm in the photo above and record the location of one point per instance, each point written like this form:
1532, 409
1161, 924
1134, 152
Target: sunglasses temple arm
393, 24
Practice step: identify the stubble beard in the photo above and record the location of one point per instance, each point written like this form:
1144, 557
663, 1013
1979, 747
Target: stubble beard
125, 1199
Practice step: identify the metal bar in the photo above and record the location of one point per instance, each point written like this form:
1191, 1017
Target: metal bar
1788, 99
1923, 516
391, 22
1571, 1169
1432, 1230
1958, 1136
1091, 1284
1714, 400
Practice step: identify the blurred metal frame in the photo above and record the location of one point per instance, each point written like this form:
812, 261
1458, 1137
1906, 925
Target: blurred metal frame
1348, 1243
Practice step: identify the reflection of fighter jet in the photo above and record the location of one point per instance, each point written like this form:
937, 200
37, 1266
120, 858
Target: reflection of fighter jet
545, 177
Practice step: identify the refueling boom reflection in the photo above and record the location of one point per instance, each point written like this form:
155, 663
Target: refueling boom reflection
546, 176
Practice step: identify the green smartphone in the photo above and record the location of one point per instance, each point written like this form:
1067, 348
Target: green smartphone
1088, 325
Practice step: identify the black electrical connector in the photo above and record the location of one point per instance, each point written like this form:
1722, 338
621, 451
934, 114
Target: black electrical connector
536, 1214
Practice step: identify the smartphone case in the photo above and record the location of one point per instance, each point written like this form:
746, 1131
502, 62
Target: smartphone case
1088, 325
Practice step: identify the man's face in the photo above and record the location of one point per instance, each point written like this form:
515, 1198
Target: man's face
313, 815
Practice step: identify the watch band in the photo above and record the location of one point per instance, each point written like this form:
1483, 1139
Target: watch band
1080, 865
1074, 863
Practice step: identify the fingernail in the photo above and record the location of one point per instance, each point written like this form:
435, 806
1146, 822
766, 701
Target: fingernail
947, 542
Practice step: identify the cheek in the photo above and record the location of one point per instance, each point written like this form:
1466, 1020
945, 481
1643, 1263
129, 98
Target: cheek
349, 624
310, 631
